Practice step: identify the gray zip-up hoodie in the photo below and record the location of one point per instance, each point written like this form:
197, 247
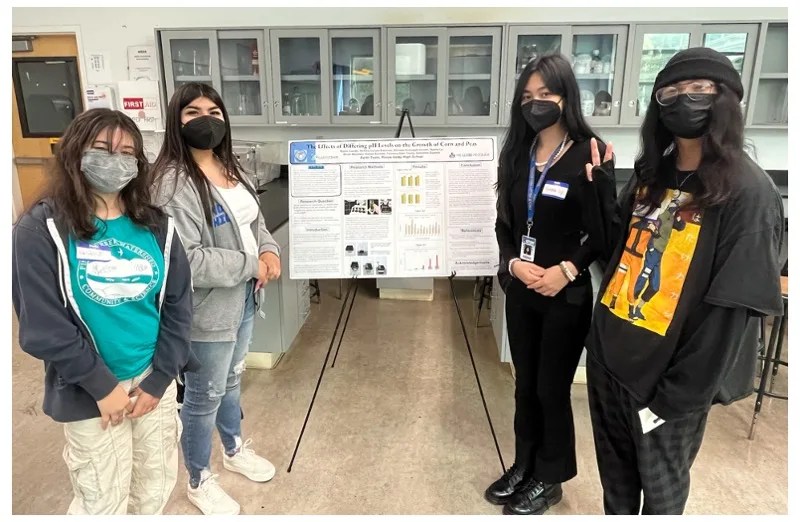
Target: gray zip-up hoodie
220, 266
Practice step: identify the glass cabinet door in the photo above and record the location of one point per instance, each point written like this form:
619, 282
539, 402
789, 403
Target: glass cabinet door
241, 54
771, 92
526, 43
299, 61
355, 75
738, 43
598, 58
416, 69
655, 45
189, 56
473, 67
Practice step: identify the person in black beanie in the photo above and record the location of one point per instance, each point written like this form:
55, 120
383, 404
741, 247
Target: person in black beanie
656, 365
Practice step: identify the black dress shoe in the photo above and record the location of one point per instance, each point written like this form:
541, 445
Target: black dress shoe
503, 488
533, 498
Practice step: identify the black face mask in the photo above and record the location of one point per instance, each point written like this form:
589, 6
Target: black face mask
688, 118
541, 114
205, 132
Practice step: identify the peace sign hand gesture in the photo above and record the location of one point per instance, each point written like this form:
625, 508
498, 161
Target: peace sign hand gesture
609, 155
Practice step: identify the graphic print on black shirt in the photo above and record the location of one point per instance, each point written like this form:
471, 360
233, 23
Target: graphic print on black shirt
662, 241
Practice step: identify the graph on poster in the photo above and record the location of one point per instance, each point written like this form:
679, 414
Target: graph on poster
392, 208
421, 227
421, 261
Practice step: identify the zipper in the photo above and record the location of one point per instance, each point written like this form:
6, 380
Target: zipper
167, 254
67, 284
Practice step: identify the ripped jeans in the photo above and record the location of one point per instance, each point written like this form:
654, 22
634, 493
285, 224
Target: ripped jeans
212, 395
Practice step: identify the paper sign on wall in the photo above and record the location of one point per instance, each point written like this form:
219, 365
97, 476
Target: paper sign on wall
421, 207
99, 97
99, 68
142, 63
142, 102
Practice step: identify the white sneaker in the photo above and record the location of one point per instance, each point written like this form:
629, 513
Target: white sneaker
246, 462
210, 498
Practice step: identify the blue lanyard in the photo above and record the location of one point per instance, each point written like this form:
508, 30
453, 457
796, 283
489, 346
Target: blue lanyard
533, 192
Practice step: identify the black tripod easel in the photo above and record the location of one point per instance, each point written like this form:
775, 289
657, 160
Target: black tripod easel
405, 114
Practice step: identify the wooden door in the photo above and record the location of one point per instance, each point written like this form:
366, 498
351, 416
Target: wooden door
31, 155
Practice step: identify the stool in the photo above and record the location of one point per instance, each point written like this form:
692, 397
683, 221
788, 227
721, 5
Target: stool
485, 294
771, 360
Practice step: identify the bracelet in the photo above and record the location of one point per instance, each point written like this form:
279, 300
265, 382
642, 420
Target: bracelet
510, 264
565, 270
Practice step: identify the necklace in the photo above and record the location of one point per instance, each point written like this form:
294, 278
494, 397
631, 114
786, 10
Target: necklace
682, 183
560, 150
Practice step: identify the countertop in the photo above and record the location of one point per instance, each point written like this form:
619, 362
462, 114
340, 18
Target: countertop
274, 200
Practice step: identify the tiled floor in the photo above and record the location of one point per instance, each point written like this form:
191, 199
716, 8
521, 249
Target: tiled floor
398, 426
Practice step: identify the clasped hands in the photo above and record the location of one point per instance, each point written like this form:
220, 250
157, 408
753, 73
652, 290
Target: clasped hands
545, 281
269, 268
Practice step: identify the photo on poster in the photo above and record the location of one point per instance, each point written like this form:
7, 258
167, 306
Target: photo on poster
355, 207
374, 267
379, 207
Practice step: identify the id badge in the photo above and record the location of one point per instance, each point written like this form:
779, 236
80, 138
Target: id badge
89, 252
528, 249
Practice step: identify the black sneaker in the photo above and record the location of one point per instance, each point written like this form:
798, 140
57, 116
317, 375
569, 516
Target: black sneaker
533, 498
503, 488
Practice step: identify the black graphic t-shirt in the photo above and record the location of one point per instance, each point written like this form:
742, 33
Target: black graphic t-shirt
679, 287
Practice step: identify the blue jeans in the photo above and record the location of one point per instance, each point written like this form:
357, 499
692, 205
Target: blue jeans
212, 394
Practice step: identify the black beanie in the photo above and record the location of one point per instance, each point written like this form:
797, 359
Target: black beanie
700, 63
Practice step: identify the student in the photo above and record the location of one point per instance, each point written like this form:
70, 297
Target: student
102, 289
202, 185
544, 257
658, 360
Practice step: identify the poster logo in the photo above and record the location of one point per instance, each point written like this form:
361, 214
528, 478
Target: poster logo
300, 155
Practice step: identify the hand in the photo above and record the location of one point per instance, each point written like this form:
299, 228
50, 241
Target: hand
551, 283
144, 403
263, 274
596, 157
273, 263
527, 272
114, 406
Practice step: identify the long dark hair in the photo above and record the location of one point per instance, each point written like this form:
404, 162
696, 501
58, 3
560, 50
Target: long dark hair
557, 75
723, 151
176, 154
70, 194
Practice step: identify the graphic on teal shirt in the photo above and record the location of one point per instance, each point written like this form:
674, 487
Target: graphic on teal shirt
116, 277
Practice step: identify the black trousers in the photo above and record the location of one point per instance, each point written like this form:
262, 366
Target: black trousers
656, 463
546, 345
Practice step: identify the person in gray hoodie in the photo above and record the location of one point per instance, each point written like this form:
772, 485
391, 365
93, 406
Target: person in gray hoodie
200, 183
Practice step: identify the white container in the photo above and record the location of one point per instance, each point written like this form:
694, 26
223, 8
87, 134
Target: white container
410, 58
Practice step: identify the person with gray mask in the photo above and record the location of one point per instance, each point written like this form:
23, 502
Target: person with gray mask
102, 289
654, 369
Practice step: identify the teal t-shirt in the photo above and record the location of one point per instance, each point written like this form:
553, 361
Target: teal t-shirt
115, 279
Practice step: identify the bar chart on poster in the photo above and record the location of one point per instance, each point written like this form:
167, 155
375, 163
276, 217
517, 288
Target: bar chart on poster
414, 207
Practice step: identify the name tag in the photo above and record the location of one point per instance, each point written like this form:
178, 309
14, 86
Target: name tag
555, 189
89, 252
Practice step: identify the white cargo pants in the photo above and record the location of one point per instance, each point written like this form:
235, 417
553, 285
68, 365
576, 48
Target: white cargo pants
126, 469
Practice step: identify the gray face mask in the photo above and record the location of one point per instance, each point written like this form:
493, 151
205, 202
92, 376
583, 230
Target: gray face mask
108, 173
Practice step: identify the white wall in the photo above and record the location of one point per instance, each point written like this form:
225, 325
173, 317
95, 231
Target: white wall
114, 29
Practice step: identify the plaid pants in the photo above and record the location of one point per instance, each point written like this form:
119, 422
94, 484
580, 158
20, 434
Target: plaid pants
656, 463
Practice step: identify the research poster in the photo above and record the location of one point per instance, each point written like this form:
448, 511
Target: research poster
404, 207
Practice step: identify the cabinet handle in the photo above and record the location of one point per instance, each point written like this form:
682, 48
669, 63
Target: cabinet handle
617, 103
377, 104
494, 104
632, 104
